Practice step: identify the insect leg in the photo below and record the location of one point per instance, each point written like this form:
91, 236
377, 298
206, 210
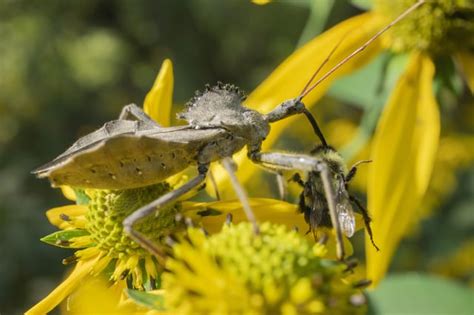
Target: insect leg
230, 166
282, 186
331, 200
214, 185
297, 179
366, 217
133, 111
353, 170
308, 164
155, 206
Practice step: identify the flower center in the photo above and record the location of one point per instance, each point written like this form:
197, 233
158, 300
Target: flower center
108, 208
276, 271
437, 26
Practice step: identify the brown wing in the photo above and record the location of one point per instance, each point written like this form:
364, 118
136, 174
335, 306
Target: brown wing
129, 160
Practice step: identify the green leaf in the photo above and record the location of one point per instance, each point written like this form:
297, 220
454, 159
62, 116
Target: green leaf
152, 301
363, 4
369, 89
362, 87
61, 238
317, 19
81, 197
420, 294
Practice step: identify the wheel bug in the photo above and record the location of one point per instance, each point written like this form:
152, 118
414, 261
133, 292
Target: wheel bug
134, 151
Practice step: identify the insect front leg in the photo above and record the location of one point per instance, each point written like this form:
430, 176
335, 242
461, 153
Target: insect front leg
297, 179
306, 163
135, 112
155, 206
350, 175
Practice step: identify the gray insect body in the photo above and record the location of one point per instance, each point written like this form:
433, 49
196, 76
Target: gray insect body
127, 154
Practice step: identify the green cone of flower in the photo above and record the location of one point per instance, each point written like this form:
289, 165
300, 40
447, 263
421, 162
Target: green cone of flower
239, 272
436, 27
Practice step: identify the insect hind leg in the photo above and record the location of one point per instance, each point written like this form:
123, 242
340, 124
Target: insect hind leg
229, 166
155, 206
135, 112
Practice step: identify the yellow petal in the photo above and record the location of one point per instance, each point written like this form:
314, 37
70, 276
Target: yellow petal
158, 101
261, 2
96, 296
81, 270
404, 150
68, 192
466, 61
71, 211
290, 77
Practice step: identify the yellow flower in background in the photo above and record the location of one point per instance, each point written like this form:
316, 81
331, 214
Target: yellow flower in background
159, 100
406, 138
261, 2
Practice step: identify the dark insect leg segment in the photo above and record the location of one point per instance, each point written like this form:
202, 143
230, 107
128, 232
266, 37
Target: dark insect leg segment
155, 206
366, 217
308, 164
297, 179
350, 175
230, 167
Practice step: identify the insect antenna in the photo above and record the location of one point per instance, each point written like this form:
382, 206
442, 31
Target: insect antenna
320, 67
361, 48
307, 113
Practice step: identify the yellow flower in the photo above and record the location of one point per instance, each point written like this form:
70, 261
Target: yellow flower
406, 138
93, 226
275, 272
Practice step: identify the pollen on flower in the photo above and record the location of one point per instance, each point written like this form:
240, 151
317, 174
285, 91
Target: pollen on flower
436, 27
236, 271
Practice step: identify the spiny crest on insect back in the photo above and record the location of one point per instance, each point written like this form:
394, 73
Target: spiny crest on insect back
214, 104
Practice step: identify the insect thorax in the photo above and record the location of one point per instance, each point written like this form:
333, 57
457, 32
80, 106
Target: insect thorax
332, 158
221, 107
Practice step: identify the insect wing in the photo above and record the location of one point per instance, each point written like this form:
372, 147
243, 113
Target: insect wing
128, 160
346, 215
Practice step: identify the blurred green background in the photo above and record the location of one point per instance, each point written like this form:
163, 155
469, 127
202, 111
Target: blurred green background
66, 67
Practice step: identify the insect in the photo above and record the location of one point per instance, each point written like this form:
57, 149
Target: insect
135, 151
313, 203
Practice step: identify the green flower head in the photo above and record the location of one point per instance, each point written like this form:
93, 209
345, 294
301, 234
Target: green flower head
276, 271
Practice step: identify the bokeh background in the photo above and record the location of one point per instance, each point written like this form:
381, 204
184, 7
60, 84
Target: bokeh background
66, 67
